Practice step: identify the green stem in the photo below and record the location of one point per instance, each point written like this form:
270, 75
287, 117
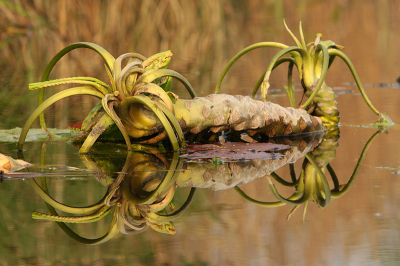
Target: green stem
157, 218
306, 192
290, 88
154, 108
333, 176
346, 59
357, 168
111, 233
175, 124
265, 83
283, 182
118, 63
74, 210
108, 107
243, 52
61, 95
100, 50
279, 62
292, 173
259, 203
154, 74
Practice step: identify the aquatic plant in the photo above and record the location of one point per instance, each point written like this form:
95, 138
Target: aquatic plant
139, 102
313, 64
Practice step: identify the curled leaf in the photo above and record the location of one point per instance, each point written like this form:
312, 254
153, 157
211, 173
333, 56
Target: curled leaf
9, 165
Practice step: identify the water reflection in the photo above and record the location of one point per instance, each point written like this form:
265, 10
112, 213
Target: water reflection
312, 184
138, 196
141, 187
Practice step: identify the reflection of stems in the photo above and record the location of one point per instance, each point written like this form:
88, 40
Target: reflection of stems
259, 203
164, 186
336, 193
283, 182
160, 218
113, 230
322, 202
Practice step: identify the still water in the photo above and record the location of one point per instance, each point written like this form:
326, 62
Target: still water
218, 226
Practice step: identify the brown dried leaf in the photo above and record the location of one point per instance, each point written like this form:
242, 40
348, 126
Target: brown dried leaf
234, 151
9, 165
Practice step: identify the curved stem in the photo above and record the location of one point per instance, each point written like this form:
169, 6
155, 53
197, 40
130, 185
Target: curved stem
156, 207
283, 182
321, 80
243, 52
155, 139
292, 173
118, 63
165, 185
306, 192
121, 87
151, 75
356, 78
74, 210
331, 59
61, 95
333, 176
156, 90
108, 102
160, 115
356, 169
259, 203
279, 62
100, 50
265, 83
111, 232
132, 68
156, 218
124, 221
175, 124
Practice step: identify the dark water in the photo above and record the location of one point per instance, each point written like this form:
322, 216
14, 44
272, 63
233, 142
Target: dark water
220, 227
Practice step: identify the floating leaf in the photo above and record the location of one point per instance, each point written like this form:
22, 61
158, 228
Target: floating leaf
37, 134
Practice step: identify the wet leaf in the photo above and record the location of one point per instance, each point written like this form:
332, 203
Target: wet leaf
233, 151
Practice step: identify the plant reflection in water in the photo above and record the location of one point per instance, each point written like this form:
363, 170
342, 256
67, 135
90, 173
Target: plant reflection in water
137, 197
312, 184
141, 194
